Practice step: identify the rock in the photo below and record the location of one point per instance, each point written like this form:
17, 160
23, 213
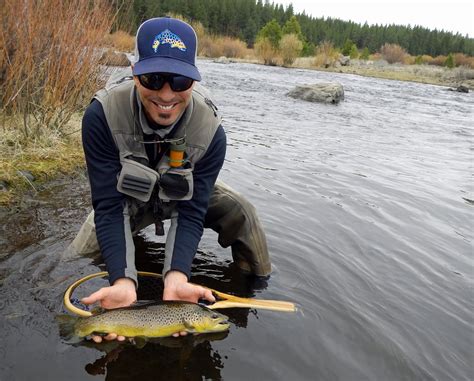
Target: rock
344, 60
460, 89
222, 60
319, 92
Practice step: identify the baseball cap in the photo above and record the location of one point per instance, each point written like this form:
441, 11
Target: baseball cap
166, 45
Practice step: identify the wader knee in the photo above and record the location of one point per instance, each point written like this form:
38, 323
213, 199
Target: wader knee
235, 220
85, 242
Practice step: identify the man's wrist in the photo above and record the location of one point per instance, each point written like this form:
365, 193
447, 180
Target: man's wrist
175, 277
124, 281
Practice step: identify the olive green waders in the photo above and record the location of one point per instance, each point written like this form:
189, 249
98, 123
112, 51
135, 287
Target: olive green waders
229, 214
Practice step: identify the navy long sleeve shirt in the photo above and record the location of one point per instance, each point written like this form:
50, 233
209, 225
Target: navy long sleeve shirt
103, 166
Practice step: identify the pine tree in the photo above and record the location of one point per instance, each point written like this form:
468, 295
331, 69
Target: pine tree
271, 31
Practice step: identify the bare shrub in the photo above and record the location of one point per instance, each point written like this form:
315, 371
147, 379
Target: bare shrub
49, 59
426, 59
438, 61
266, 52
393, 53
409, 60
461, 59
233, 47
213, 46
326, 55
290, 48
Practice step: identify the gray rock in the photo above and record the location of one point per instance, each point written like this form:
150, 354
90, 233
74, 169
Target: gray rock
344, 60
222, 60
319, 92
461, 89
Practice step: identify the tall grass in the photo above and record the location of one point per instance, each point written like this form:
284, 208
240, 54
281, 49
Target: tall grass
49, 61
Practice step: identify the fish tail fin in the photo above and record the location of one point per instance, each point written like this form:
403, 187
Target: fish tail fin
67, 324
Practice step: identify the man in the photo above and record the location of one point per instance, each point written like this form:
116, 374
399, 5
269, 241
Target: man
154, 146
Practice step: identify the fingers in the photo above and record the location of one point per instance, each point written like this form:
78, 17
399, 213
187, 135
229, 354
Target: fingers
109, 337
207, 294
95, 297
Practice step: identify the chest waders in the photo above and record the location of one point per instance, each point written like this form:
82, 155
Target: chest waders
229, 213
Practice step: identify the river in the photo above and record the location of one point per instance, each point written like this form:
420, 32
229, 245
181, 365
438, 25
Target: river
368, 211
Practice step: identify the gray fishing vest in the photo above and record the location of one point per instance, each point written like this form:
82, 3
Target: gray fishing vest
197, 126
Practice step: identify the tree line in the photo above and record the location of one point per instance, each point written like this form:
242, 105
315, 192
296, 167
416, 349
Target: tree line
244, 19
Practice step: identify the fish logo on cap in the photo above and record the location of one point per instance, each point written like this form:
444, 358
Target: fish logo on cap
168, 37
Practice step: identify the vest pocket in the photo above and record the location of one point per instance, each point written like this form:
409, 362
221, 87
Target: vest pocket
136, 180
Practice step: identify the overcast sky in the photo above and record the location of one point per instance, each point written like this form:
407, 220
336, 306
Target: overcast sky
453, 16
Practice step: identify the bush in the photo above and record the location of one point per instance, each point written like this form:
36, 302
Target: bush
461, 59
438, 61
449, 62
326, 55
353, 53
212, 46
393, 53
365, 54
264, 50
49, 59
290, 48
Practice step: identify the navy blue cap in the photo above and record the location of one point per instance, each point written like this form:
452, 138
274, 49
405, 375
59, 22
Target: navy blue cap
166, 45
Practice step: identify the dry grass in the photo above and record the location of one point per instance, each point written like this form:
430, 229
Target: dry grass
44, 158
49, 63
121, 41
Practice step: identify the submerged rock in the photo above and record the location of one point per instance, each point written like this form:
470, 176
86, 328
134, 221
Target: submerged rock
319, 92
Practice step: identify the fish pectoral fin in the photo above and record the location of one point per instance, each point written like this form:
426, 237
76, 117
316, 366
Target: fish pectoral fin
140, 341
189, 326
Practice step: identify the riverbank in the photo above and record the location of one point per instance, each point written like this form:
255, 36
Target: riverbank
427, 74
24, 169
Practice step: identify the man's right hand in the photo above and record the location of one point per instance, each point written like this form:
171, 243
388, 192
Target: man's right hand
121, 294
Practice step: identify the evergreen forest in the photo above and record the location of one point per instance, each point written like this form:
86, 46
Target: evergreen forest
244, 19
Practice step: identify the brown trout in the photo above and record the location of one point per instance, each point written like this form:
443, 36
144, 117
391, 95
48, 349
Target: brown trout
156, 319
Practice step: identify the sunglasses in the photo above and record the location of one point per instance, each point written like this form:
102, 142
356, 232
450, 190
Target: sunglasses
156, 81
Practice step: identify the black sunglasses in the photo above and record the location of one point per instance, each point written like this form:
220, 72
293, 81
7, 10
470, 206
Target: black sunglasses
156, 81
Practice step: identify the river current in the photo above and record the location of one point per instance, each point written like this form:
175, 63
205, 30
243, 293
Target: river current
368, 211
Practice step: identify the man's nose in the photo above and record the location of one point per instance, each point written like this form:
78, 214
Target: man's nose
166, 93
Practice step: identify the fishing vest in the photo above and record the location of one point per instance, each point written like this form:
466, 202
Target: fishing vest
197, 126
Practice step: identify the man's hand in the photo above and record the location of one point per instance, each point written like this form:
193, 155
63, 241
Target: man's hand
121, 294
177, 287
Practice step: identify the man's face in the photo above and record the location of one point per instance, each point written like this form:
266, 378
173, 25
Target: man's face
163, 106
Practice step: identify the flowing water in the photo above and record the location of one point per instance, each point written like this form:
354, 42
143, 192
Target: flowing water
368, 211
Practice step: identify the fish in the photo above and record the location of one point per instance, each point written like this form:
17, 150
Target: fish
168, 37
146, 320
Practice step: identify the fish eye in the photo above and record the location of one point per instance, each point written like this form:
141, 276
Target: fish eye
214, 316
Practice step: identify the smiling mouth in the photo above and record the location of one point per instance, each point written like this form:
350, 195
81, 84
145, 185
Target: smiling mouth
164, 107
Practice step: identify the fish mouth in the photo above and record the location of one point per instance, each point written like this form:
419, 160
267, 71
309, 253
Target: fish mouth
223, 325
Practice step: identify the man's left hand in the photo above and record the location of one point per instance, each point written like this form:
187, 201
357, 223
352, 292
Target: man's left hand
177, 287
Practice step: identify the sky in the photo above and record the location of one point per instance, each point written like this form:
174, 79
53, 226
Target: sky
455, 16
